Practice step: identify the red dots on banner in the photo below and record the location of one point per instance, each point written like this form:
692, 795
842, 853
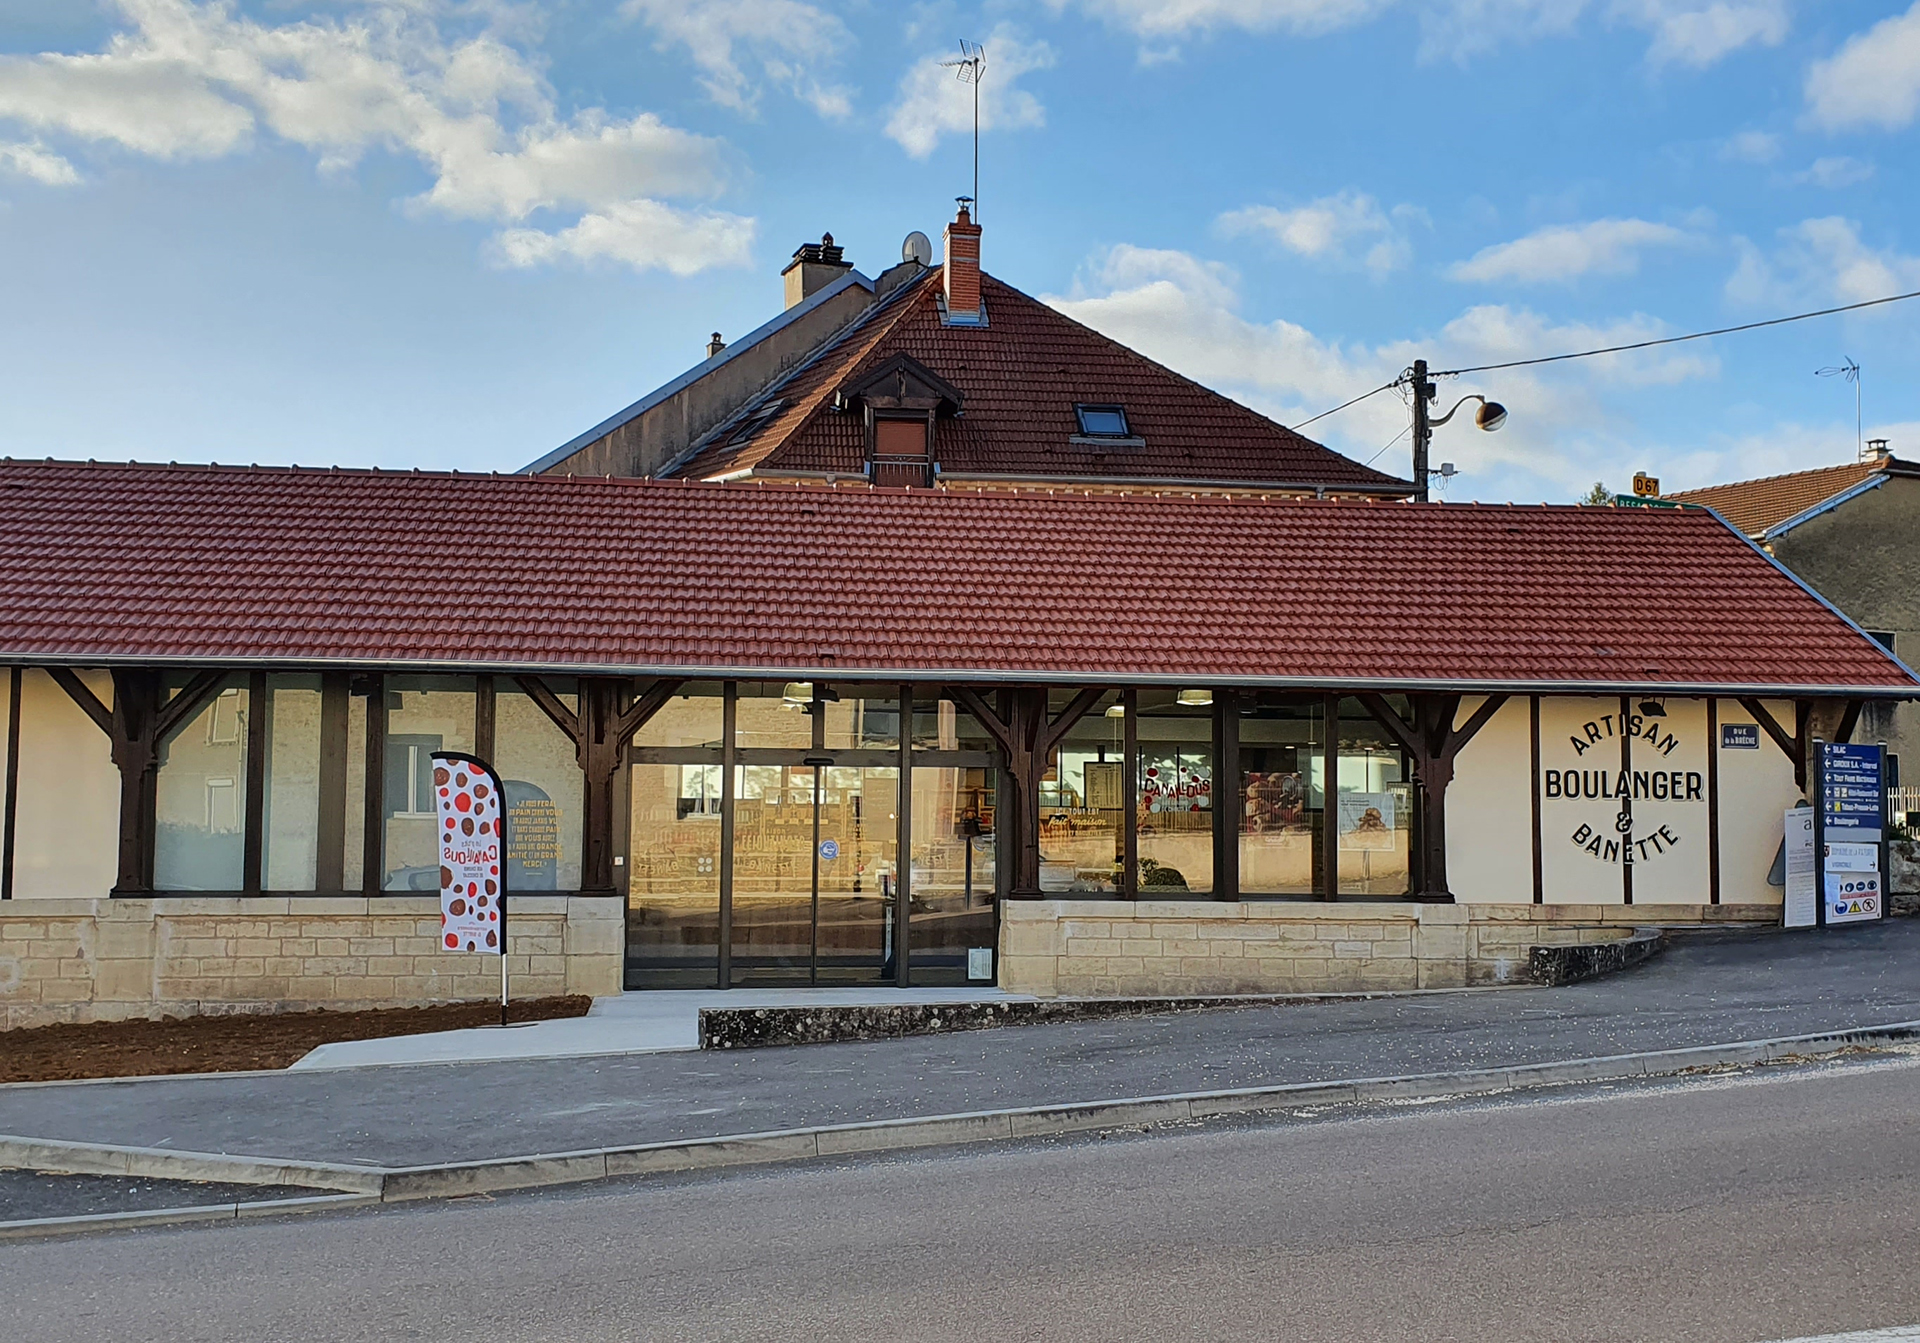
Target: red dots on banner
453, 941
462, 802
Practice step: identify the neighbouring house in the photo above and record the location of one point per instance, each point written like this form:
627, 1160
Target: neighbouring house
1852, 532
944, 376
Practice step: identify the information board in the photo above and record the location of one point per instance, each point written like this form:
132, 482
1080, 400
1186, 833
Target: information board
1802, 905
1851, 794
1853, 803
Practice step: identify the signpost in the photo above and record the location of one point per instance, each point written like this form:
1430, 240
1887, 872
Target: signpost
473, 888
1850, 831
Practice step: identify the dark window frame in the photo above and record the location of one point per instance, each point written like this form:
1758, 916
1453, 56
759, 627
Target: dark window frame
1081, 410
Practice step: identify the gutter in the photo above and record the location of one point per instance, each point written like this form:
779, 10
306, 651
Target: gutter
1853, 491
840, 675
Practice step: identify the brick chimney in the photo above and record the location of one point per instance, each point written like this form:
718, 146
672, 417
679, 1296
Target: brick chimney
815, 265
962, 277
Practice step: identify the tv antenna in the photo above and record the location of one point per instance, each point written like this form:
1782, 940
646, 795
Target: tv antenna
970, 68
1851, 372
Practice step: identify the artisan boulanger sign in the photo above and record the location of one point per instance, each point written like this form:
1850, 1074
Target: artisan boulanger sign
1621, 757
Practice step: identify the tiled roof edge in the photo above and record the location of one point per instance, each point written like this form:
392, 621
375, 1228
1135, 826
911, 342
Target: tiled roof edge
1812, 592
972, 675
1853, 491
697, 372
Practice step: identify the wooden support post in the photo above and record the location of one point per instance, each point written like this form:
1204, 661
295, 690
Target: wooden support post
330, 834
1330, 798
1027, 740
253, 844
373, 836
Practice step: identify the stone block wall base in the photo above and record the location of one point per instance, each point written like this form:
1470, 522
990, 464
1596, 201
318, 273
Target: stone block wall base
114, 960
1154, 948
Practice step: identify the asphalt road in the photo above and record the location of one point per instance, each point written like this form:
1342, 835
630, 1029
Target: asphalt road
1777, 1204
1707, 991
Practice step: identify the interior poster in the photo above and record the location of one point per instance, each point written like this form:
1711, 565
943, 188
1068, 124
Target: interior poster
467, 800
1366, 821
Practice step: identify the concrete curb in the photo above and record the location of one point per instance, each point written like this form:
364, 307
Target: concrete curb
362, 1185
1557, 966
39, 1228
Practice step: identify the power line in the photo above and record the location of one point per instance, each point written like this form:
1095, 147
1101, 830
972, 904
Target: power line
1344, 404
1674, 340
1614, 349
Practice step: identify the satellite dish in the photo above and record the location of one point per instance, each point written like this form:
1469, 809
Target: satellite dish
917, 247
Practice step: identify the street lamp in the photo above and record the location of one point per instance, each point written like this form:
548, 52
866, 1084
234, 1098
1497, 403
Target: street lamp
1489, 417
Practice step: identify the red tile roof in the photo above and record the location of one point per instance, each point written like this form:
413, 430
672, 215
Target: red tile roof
249, 566
1022, 375
1754, 506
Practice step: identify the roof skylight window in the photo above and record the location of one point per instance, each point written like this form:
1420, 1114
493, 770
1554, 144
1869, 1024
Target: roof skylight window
1102, 421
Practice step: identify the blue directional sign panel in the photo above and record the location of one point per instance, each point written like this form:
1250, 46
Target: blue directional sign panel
1852, 796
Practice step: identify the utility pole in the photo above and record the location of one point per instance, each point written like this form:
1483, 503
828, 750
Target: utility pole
1423, 392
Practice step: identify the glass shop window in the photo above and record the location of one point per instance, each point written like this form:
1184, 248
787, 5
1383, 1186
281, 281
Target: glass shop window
1174, 792
200, 792
291, 818
424, 714
544, 788
1083, 800
1281, 759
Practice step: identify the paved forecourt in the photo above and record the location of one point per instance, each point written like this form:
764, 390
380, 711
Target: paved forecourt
1714, 990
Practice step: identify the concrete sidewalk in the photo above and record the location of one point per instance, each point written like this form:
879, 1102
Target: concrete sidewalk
1705, 991
633, 1023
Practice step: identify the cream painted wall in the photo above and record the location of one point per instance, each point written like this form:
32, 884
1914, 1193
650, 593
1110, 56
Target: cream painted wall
1569, 827
1490, 808
68, 813
1756, 788
1672, 856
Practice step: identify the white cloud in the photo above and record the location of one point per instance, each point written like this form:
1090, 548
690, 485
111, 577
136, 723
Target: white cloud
197, 80
1184, 18
1564, 252
1833, 173
1701, 35
1751, 147
784, 40
639, 233
1820, 261
1687, 32
934, 103
1347, 228
1873, 80
1791, 445
39, 163
1184, 311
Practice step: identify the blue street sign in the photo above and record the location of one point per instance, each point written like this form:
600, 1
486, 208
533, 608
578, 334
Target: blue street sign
1852, 797
829, 848
1739, 736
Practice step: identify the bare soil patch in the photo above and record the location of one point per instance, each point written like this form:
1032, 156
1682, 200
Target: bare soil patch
225, 1044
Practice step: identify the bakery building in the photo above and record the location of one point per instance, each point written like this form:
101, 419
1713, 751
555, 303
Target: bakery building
951, 645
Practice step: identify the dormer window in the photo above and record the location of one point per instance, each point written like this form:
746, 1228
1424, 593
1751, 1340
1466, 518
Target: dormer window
1102, 421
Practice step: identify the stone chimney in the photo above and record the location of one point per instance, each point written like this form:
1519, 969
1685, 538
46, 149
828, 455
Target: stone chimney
1876, 450
962, 277
716, 345
815, 265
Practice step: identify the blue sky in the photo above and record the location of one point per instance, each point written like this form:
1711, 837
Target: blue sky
454, 233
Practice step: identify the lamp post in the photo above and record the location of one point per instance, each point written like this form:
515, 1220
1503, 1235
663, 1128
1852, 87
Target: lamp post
1489, 417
